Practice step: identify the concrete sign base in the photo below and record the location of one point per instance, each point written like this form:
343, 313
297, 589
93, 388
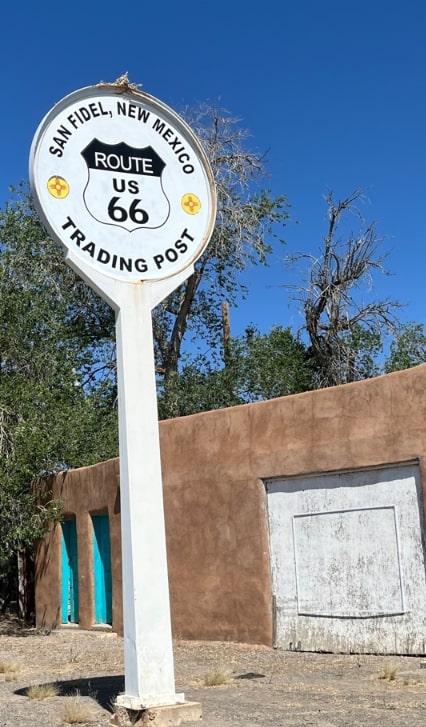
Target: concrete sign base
167, 716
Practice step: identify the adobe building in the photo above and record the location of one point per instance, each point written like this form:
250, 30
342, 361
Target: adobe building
296, 522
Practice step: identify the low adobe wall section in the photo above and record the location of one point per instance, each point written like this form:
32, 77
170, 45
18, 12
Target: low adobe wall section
214, 465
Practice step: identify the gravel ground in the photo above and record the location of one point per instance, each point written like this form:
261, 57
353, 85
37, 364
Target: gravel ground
263, 686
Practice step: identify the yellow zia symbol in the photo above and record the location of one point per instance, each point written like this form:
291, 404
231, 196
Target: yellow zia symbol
191, 204
58, 187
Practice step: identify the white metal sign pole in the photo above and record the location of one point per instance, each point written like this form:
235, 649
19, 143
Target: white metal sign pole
122, 183
148, 653
148, 642
148, 647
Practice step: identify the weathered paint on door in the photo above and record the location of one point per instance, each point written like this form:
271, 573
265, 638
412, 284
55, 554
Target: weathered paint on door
102, 569
69, 572
347, 561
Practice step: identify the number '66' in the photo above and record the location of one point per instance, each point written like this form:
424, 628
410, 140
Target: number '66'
119, 214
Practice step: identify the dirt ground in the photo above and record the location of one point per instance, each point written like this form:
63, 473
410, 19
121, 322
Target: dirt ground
263, 686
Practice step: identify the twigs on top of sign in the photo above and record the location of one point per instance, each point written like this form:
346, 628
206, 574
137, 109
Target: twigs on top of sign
123, 83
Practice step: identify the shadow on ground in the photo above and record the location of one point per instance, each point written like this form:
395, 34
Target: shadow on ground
102, 689
11, 625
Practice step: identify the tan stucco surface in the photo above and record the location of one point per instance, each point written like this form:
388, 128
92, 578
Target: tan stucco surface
214, 465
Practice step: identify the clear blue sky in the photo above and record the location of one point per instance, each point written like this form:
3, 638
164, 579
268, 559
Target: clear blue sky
336, 91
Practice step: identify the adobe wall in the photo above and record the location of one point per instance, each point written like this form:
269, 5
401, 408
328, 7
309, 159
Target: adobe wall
85, 492
214, 465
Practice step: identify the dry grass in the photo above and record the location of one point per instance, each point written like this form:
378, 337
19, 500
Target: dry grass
217, 678
11, 670
74, 657
388, 673
42, 691
77, 710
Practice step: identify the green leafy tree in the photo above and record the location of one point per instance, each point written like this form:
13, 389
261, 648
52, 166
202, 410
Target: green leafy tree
359, 355
270, 365
257, 367
247, 219
56, 374
408, 348
200, 386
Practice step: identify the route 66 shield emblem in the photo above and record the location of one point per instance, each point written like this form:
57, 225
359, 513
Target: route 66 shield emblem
124, 185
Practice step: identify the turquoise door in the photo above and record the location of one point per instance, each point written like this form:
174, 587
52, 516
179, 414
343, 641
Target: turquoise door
102, 569
69, 572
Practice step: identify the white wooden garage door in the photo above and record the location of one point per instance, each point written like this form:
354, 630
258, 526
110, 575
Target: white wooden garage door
347, 561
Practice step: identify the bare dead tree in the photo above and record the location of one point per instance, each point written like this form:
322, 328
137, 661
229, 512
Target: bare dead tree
335, 311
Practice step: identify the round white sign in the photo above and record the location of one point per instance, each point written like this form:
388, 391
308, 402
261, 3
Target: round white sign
122, 181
